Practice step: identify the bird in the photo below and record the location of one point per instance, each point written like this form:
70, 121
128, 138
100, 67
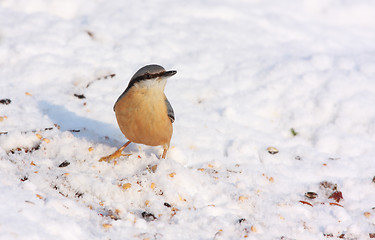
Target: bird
143, 112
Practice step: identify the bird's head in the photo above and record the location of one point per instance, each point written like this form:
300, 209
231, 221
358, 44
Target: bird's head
151, 76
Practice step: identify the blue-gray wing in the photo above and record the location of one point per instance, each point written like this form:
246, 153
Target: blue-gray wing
170, 110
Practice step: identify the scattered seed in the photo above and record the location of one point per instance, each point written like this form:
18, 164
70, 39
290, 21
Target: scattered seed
241, 220
210, 165
64, 164
253, 229
107, 225
126, 185
307, 203
38, 136
272, 150
172, 174
5, 101
91, 149
153, 168
336, 204
148, 216
3, 118
32, 163
79, 195
181, 198
80, 96
46, 140
25, 178
242, 198
147, 202
311, 195
294, 133
367, 214
90, 34
28, 94
328, 185
153, 185
39, 196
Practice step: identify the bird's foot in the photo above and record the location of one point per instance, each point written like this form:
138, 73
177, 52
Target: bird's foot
114, 155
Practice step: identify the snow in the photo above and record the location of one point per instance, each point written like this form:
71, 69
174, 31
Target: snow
248, 72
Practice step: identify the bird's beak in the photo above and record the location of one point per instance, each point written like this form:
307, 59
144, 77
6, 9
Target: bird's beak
168, 74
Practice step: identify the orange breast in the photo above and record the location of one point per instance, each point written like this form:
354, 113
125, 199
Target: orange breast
142, 117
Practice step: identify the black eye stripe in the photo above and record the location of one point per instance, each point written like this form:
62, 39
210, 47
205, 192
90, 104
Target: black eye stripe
148, 76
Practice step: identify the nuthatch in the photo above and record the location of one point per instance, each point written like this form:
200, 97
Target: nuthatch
143, 112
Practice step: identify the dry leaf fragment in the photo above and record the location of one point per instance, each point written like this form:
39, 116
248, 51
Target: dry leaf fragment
367, 214
46, 140
126, 185
38, 136
32, 163
337, 196
307, 203
91, 149
172, 174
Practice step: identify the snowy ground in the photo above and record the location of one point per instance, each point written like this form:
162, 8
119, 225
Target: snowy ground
298, 76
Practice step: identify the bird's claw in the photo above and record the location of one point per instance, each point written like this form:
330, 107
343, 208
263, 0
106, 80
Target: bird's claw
114, 155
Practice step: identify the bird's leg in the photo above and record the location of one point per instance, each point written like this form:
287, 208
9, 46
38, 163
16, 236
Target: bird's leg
116, 154
164, 153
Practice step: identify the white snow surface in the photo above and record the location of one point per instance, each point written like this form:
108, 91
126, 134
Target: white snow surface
248, 72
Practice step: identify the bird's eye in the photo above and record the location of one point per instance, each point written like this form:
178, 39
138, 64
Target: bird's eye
147, 76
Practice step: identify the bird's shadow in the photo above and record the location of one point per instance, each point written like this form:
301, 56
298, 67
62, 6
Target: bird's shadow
87, 128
